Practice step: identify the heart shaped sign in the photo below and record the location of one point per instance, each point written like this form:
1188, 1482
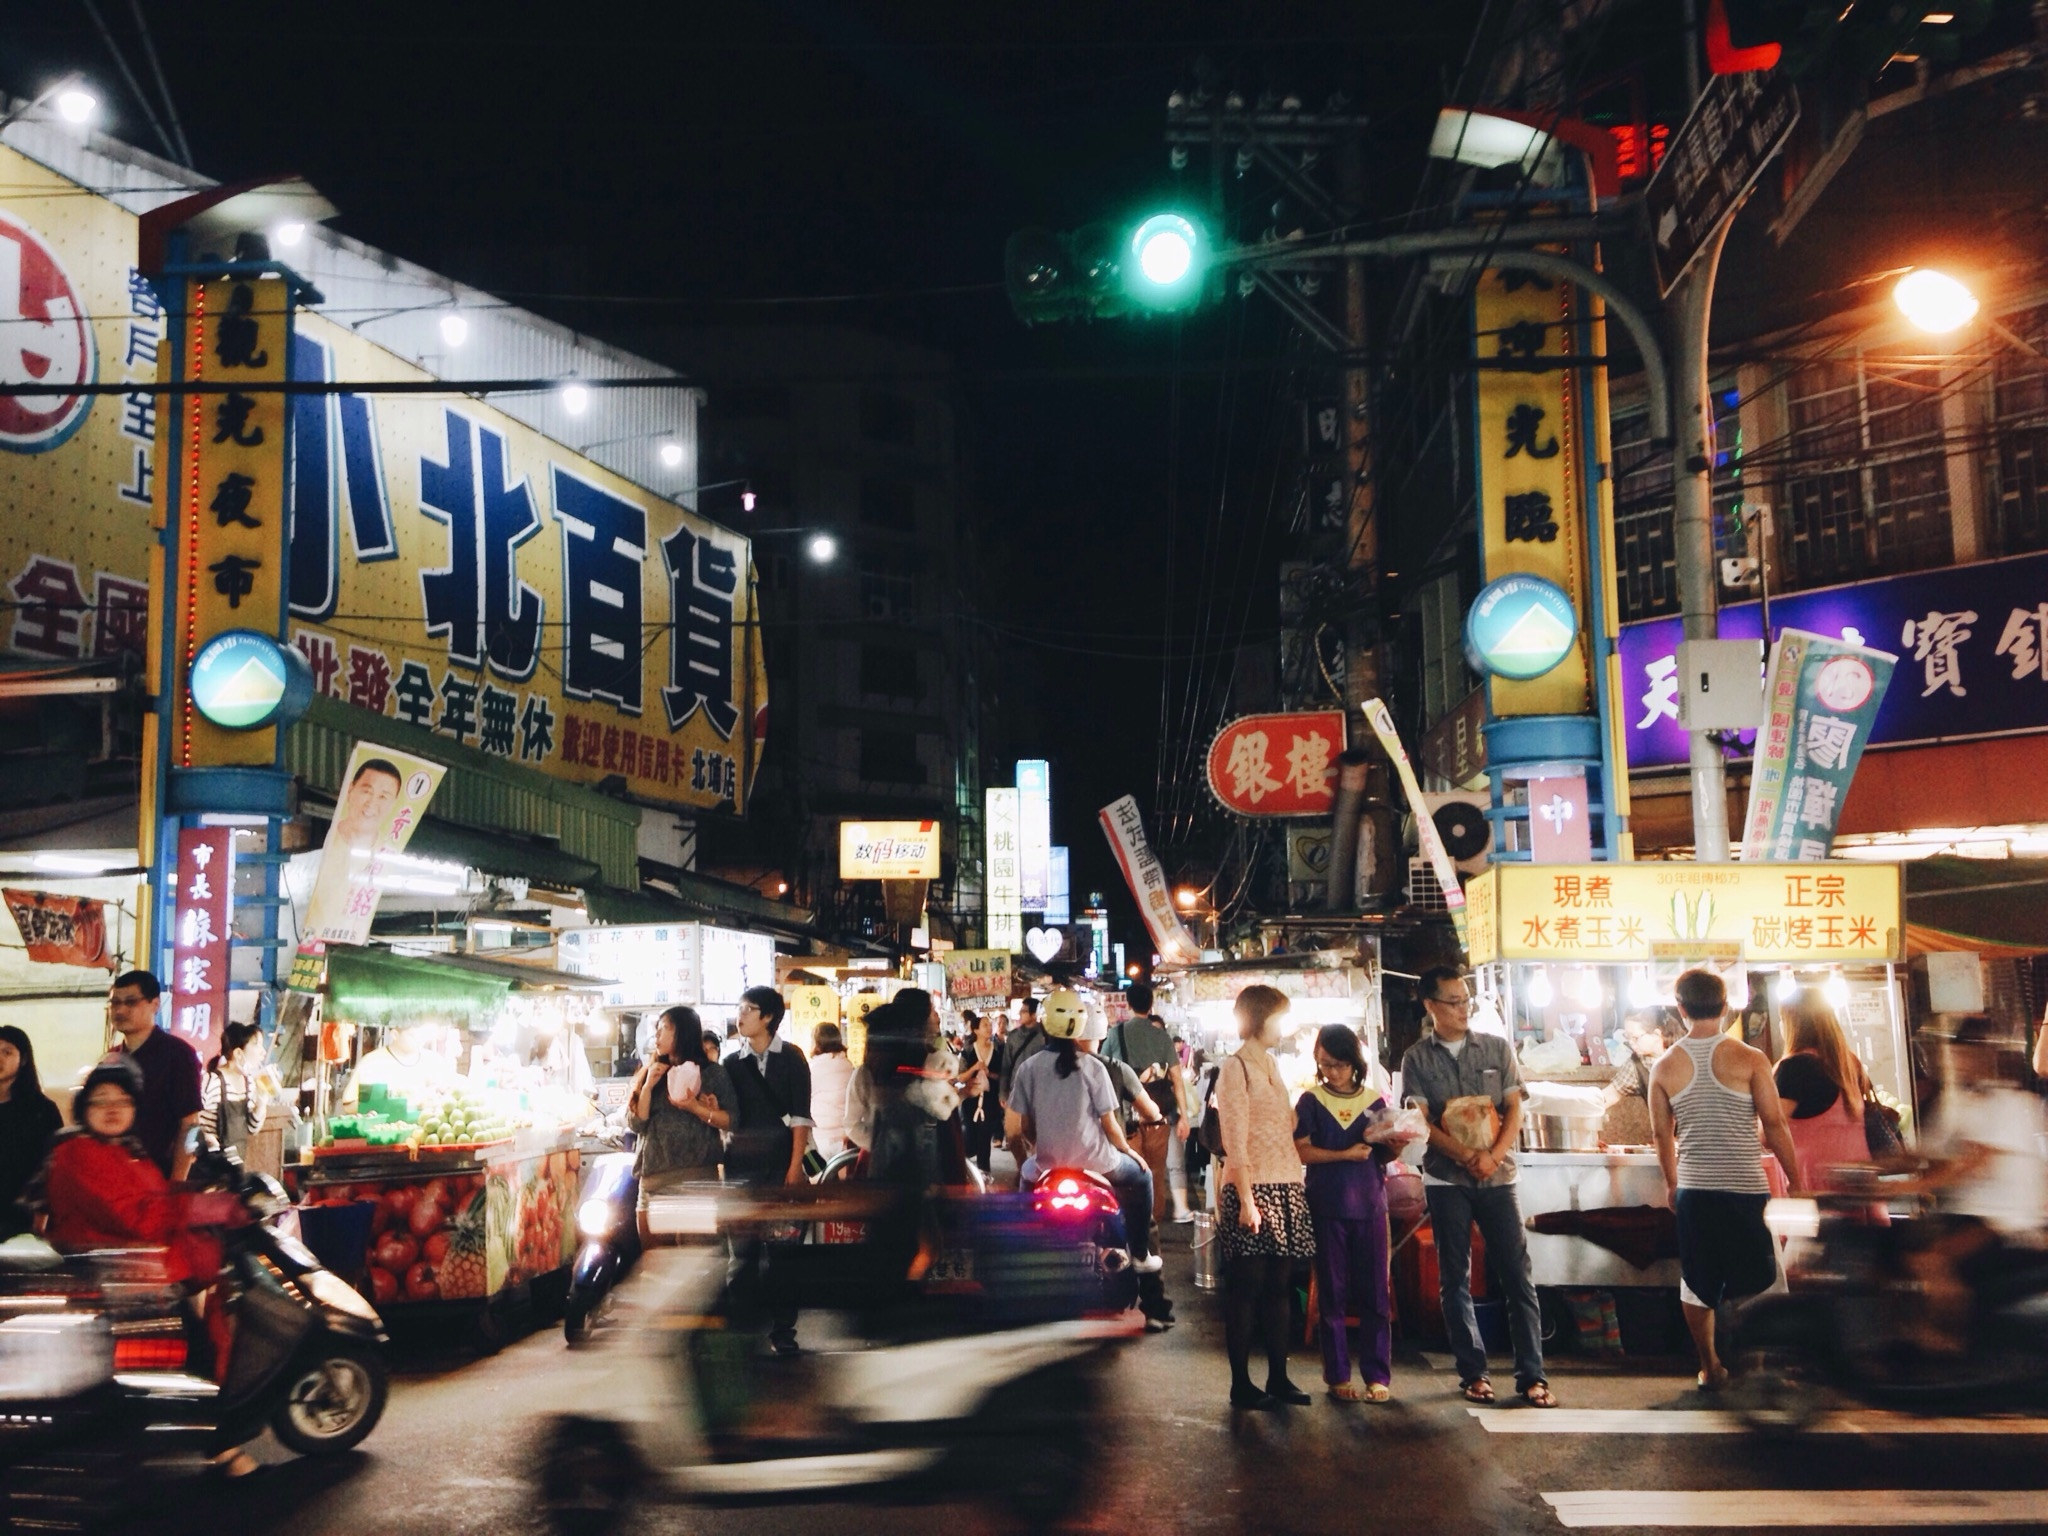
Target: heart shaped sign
1045, 944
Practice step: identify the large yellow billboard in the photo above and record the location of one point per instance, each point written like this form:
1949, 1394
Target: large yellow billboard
450, 566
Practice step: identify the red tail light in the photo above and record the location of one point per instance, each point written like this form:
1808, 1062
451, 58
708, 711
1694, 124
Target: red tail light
155, 1352
1071, 1195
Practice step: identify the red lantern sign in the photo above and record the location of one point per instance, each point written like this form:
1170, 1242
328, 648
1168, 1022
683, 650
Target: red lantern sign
1278, 765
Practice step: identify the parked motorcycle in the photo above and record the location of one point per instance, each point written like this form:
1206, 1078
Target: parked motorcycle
959, 1346
97, 1356
1849, 1324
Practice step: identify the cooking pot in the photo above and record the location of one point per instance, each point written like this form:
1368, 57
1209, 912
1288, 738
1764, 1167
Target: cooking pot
1561, 1133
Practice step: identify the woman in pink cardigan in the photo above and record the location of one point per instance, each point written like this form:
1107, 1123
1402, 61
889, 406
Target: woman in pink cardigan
1263, 1221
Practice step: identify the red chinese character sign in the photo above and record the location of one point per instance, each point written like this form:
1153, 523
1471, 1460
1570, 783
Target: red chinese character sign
61, 930
1277, 765
199, 936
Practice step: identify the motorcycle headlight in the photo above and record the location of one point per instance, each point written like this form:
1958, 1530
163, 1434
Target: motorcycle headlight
595, 1218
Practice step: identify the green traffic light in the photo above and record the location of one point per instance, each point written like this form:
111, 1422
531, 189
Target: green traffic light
1168, 259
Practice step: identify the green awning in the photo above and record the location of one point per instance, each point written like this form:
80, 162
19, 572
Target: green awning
697, 899
374, 986
1983, 904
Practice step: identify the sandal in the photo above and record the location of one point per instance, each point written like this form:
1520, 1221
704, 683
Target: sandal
1378, 1392
1538, 1395
1478, 1390
1348, 1392
1712, 1383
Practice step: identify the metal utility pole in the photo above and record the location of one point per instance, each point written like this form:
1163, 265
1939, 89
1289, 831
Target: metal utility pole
1361, 527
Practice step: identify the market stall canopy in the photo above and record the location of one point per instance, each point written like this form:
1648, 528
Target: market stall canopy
375, 986
1993, 906
695, 899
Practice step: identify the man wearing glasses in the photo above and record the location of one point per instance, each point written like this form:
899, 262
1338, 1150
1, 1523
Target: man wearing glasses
1465, 1184
170, 1100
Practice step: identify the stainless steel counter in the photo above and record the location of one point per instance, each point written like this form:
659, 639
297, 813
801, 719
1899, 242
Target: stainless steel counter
1585, 1181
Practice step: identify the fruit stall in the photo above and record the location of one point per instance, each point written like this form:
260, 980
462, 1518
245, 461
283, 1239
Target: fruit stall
444, 1136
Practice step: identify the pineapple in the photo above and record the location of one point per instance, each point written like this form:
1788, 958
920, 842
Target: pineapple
463, 1271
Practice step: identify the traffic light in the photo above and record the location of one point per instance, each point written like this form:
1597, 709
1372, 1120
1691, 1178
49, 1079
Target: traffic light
1101, 271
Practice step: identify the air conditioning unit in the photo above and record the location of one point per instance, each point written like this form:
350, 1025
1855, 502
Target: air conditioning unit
1460, 818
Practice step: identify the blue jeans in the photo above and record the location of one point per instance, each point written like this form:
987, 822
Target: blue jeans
1453, 1209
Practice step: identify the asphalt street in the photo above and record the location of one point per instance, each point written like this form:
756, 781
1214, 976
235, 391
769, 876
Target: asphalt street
1634, 1450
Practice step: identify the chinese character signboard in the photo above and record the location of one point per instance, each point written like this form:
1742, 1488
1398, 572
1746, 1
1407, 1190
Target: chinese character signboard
973, 973
61, 930
1768, 914
1560, 825
1453, 748
1005, 894
1738, 124
730, 961
1528, 445
1124, 825
450, 566
1034, 833
199, 939
1820, 698
225, 506
1277, 765
645, 965
809, 1006
888, 850
1972, 643
383, 796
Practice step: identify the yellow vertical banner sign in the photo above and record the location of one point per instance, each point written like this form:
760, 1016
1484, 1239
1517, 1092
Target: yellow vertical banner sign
225, 498
1530, 448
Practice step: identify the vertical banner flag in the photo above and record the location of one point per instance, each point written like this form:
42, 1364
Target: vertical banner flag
1530, 450
62, 930
383, 796
1425, 828
1005, 904
1034, 833
1124, 825
199, 940
226, 503
1821, 699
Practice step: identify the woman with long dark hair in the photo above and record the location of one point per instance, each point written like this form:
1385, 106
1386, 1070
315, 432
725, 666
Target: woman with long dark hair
981, 1114
1347, 1196
680, 1104
1822, 1083
28, 1119
1263, 1223
230, 1104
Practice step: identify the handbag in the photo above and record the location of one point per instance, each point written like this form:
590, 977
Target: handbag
1881, 1128
1211, 1132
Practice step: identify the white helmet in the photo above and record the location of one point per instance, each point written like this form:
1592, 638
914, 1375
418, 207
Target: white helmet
1063, 1015
1097, 1026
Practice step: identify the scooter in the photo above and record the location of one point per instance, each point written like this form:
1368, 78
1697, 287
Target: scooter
607, 1221
1844, 1326
962, 1345
1083, 1203
115, 1378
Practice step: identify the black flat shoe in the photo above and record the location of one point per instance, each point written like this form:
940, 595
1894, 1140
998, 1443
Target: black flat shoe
1251, 1397
1288, 1392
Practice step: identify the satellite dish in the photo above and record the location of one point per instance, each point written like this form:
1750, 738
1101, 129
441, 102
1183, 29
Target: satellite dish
1463, 828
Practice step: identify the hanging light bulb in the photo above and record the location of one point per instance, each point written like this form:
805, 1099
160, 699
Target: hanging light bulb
1642, 992
1738, 989
1591, 993
1541, 993
1786, 987
1836, 990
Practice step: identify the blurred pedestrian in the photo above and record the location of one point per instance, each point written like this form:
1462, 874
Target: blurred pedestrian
1472, 1088
771, 1127
28, 1120
168, 1101
1822, 1085
1145, 1043
1263, 1224
1708, 1096
1347, 1196
831, 1070
231, 1106
679, 1103
981, 1113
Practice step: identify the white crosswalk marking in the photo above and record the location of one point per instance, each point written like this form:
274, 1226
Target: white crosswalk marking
1833, 1509
1607, 1421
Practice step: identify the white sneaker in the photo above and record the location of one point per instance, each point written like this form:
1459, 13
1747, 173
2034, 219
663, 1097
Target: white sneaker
1149, 1266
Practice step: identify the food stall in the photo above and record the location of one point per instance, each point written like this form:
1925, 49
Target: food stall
448, 1093
1576, 964
1321, 986
639, 969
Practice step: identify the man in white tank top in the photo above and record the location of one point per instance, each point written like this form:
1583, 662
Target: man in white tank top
1708, 1095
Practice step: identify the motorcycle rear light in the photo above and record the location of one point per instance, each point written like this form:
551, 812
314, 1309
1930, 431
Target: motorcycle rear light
149, 1354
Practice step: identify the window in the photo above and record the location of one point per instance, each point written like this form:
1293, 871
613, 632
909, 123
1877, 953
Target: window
752, 402
889, 670
888, 418
887, 595
1645, 542
2019, 509
890, 757
888, 503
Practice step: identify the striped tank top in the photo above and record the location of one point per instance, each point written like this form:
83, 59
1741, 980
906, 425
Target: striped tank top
1716, 1124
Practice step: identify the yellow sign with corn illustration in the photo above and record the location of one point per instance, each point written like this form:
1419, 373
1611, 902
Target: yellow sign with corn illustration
1776, 914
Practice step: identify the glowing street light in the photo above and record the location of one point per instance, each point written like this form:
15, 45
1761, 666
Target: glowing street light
672, 455
575, 399
1187, 896
454, 330
289, 233
822, 548
75, 104
1934, 302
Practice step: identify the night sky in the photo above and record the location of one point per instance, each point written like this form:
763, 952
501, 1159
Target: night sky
616, 167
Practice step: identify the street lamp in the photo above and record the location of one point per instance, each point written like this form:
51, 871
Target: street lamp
1935, 302
75, 104
575, 399
1187, 896
822, 548
454, 329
